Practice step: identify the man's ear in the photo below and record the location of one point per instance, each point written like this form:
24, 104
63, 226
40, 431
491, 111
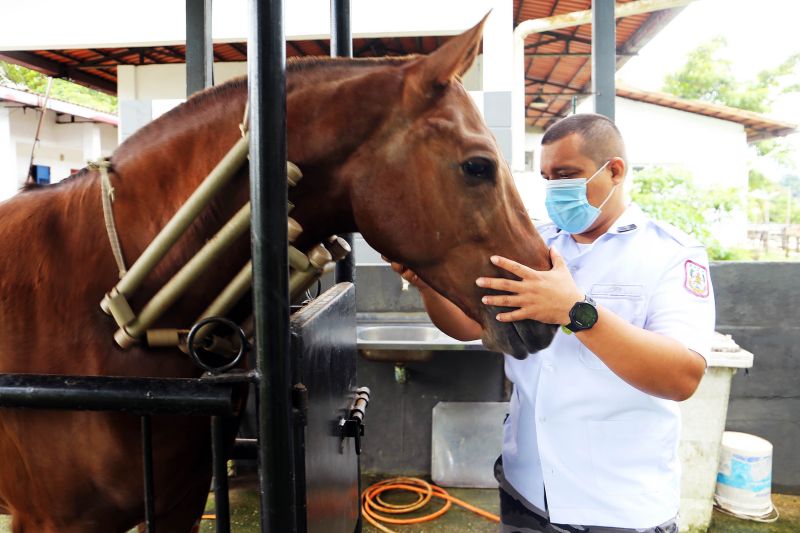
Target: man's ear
618, 169
426, 76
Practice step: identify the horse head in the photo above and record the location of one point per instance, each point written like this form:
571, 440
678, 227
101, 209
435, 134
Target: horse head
420, 175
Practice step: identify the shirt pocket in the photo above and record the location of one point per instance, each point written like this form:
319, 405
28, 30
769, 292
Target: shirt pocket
625, 301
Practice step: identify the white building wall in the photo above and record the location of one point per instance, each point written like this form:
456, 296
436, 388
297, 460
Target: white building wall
62, 147
714, 151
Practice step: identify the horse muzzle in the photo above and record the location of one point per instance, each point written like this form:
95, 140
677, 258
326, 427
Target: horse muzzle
518, 339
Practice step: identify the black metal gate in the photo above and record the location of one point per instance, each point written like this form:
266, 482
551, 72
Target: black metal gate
309, 410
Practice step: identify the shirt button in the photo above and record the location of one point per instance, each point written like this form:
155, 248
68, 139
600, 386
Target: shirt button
542, 419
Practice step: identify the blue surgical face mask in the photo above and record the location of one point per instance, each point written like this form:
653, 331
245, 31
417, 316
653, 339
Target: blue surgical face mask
568, 206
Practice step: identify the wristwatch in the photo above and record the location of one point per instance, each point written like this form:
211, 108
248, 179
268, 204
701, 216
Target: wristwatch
583, 315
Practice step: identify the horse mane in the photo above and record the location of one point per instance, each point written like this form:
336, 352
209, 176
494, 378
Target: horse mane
186, 113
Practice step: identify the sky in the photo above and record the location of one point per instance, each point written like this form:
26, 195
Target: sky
760, 34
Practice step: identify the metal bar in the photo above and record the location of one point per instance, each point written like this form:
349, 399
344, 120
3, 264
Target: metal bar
188, 212
342, 46
185, 277
604, 59
222, 507
149, 480
104, 393
235, 290
199, 48
267, 92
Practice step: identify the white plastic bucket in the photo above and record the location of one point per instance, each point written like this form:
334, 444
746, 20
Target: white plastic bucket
744, 478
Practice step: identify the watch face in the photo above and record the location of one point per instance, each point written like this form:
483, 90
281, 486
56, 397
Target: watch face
584, 314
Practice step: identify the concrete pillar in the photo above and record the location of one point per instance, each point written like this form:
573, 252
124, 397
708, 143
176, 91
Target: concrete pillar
92, 142
497, 73
133, 113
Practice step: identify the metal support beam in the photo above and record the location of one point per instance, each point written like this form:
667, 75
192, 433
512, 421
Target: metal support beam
220, 467
199, 48
58, 70
266, 66
604, 58
149, 475
342, 46
106, 393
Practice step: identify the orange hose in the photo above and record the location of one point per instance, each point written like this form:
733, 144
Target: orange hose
371, 503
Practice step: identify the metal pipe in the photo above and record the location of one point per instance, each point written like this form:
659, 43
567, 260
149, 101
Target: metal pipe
266, 53
299, 281
199, 47
149, 480
187, 213
565, 20
221, 504
298, 260
234, 292
604, 56
342, 46
236, 227
105, 393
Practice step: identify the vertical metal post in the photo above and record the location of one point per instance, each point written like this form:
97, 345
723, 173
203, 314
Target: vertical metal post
267, 92
604, 56
342, 46
199, 48
222, 508
149, 483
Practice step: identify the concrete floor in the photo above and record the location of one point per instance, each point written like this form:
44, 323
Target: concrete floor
244, 510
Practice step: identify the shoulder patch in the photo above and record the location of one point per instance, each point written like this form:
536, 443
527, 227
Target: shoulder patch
695, 278
679, 236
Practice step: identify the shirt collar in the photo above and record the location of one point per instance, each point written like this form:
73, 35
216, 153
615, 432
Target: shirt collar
629, 221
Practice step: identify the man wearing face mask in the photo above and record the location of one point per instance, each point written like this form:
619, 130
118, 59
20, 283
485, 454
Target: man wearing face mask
591, 440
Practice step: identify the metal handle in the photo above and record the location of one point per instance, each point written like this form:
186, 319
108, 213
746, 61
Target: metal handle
243, 344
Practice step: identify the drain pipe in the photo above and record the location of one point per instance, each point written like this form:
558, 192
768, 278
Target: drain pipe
557, 22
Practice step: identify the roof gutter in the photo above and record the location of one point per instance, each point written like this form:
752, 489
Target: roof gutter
556, 22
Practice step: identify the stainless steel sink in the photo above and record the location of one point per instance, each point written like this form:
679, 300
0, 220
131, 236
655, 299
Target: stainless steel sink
400, 333
405, 342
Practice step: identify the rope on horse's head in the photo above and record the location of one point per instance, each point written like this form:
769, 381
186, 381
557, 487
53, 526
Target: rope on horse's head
107, 190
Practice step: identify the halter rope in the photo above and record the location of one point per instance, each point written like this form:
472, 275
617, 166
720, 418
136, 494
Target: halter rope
107, 194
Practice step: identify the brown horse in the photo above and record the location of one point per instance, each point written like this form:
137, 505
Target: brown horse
393, 148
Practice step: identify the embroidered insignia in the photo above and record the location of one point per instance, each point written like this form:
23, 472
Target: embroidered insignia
696, 280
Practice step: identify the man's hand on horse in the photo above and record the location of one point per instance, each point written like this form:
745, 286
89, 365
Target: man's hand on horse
407, 274
546, 296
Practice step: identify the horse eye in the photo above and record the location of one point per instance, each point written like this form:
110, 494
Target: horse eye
478, 167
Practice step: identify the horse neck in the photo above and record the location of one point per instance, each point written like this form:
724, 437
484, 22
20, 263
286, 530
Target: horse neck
163, 164
334, 114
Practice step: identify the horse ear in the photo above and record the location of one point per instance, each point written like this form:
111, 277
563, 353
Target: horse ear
449, 61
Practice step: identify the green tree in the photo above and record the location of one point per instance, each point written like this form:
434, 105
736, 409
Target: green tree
670, 195
707, 76
30, 80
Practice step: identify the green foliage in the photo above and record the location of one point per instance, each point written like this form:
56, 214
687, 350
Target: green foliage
773, 202
670, 195
30, 80
708, 76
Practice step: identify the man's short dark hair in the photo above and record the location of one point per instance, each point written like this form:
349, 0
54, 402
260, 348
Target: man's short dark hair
600, 138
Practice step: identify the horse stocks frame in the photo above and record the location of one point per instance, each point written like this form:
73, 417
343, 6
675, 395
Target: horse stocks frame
307, 469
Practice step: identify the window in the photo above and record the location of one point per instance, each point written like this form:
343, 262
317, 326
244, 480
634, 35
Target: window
41, 174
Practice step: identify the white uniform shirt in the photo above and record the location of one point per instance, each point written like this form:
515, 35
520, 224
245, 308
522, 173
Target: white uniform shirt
605, 452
